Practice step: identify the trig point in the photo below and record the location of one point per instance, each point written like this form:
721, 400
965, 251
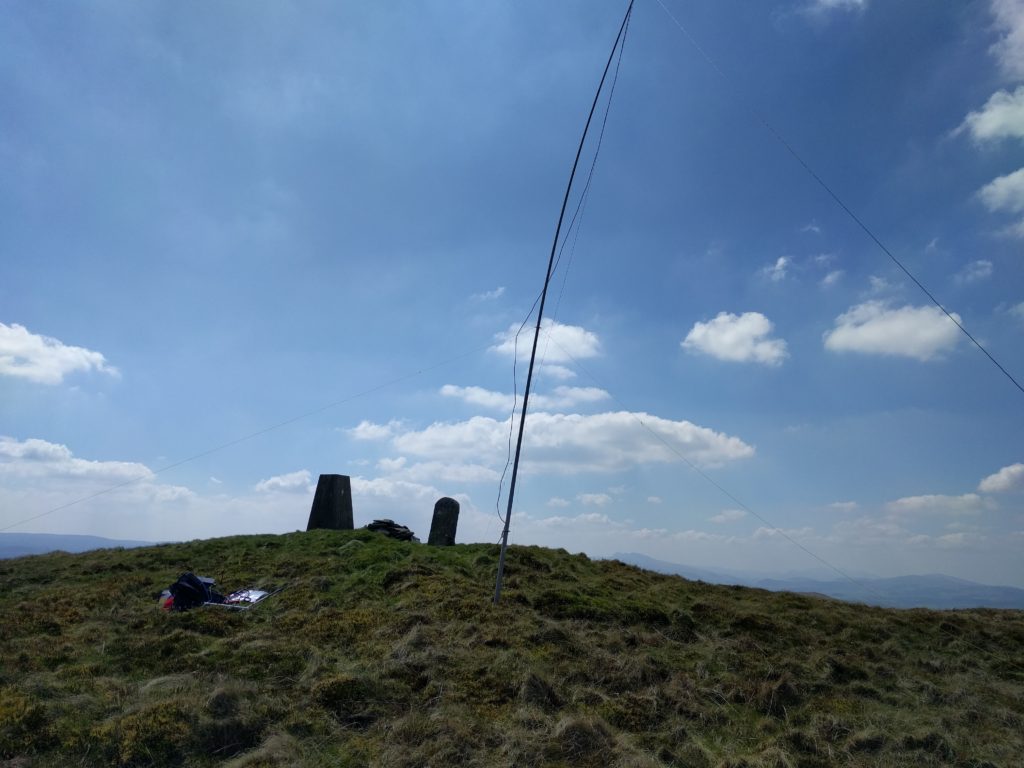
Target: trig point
332, 504
446, 520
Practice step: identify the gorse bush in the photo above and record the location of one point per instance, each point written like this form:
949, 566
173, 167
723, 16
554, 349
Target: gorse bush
387, 653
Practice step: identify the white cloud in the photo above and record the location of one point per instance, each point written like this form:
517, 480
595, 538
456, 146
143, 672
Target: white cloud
737, 338
966, 504
843, 506
974, 271
39, 458
585, 518
1017, 310
292, 482
390, 466
45, 475
449, 472
559, 372
1009, 50
572, 443
1005, 193
1006, 479
557, 501
812, 227
832, 278
654, 500
42, 359
1001, 117
497, 293
1015, 230
879, 284
367, 430
777, 272
594, 499
561, 398
558, 344
874, 328
946, 541
485, 398
866, 530
785, 533
728, 516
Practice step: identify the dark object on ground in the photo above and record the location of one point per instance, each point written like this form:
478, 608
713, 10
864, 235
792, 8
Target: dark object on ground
190, 591
332, 504
444, 522
392, 529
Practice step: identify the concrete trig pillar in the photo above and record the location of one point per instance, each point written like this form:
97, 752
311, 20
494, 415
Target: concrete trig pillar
332, 504
446, 520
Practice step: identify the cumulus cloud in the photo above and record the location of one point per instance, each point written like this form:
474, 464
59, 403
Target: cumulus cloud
451, 472
843, 506
1004, 193
832, 278
783, 533
367, 430
52, 476
654, 500
584, 518
1009, 478
1001, 117
573, 443
559, 343
559, 372
737, 338
559, 502
938, 504
1017, 310
1009, 49
497, 293
43, 359
40, 458
777, 272
594, 499
975, 271
293, 482
728, 516
561, 398
878, 284
875, 328
945, 541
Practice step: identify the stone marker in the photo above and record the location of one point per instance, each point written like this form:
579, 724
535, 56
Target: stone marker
332, 504
446, 520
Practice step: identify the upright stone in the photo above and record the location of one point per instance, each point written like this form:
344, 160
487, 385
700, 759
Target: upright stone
332, 504
446, 520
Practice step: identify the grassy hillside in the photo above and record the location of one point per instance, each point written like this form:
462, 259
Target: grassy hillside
387, 653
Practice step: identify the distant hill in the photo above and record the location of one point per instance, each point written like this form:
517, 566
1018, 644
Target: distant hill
387, 653
20, 544
934, 591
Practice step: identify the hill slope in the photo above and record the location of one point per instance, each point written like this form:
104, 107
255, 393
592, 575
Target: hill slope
388, 653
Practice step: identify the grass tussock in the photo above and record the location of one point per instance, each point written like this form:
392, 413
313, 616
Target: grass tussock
387, 653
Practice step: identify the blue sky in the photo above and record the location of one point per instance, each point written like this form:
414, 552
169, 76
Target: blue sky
216, 219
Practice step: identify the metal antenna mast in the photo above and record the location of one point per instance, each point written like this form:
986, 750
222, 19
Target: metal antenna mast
540, 309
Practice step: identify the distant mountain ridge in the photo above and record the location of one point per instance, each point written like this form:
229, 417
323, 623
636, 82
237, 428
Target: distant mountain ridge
936, 591
21, 544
